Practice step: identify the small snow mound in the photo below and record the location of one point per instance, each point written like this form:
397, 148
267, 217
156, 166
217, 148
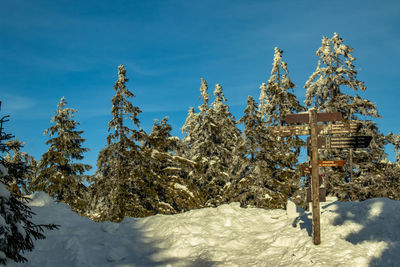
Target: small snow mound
230, 208
110, 227
291, 210
3, 170
3, 191
117, 254
40, 199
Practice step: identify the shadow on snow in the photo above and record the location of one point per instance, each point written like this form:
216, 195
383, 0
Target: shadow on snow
380, 221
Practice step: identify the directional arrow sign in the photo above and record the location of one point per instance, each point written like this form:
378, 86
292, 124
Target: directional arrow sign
339, 128
331, 163
337, 142
349, 141
304, 117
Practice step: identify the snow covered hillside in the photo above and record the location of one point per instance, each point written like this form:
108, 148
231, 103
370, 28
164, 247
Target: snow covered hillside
353, 234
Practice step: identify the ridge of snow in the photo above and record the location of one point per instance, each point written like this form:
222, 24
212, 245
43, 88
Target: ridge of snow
352, 233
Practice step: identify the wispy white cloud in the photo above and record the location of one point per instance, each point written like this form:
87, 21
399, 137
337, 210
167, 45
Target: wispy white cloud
15, 103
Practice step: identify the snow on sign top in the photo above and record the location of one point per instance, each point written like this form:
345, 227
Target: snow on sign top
304, 117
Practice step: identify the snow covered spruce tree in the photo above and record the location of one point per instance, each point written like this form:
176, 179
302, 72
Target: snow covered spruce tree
211, 137
20, 177
281, 153
59, 173
16, 227
325, 92
118, 179
250, 189
168, 189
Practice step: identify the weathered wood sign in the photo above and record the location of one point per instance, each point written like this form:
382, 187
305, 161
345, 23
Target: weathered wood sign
338, 142
338, 128
313, 129
305, 170
331, 163
304, 117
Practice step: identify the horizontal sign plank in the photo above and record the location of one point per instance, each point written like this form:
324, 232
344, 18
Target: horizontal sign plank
304, 117
331, 163
339, 128
338, 142
290, 130
349, 141
297, 118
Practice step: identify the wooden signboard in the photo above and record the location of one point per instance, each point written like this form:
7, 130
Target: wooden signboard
290, 130
337, 142
331, 163
348, 141
339, 128
304, 117
305, 170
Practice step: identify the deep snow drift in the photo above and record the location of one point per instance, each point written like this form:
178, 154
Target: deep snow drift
352, 233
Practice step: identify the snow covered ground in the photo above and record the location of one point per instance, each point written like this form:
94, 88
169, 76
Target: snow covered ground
353, 234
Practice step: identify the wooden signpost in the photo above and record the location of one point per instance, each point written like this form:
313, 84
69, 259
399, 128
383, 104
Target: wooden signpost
313, 129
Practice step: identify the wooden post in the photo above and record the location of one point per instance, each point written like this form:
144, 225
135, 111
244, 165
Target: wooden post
315, 178
351, 164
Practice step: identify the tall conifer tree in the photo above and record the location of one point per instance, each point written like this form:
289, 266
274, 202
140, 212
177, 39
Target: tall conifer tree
251, 189
211, 138
118, 164
325, 91
168, 190
277, 101
59, 174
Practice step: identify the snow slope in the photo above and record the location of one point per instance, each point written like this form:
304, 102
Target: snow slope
353, 234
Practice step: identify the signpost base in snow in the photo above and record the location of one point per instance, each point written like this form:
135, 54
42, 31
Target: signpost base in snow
325, 142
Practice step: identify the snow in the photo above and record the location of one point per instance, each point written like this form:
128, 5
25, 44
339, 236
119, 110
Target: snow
184, 188
4, 193
352, 233
3, 170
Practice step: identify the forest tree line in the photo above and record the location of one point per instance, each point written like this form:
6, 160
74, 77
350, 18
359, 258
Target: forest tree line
140, 174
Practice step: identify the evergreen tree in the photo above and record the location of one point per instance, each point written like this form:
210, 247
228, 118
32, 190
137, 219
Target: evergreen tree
276, 101
168, 190
335, 72
211, 136
251, 189
21, 178
59, 174
118, 177
16, 228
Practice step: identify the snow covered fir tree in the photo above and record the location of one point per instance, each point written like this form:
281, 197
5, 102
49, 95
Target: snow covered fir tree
268, 167
116, 190
281, 153
325, 90
58, 173
211, 139
169, 184
16, 227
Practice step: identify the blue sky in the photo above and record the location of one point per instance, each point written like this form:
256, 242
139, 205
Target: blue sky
50, 49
